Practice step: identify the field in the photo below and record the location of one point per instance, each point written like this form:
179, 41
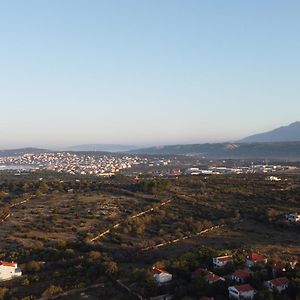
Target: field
74, 233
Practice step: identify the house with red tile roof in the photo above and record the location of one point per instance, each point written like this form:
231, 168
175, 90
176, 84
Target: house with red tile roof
212, 278
161, 275
280, 284
9, 270
255, 258
278, 269
240, 276
239, 292
222, 261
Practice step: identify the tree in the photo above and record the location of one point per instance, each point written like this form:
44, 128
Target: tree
33, 266
51, 291
25, 281
111, 268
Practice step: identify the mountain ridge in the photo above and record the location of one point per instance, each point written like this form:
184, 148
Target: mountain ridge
101, 147
289, 133
271, 150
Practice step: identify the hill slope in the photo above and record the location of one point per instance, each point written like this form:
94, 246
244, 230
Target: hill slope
282, 134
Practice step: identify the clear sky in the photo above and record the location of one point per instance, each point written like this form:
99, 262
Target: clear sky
146, 71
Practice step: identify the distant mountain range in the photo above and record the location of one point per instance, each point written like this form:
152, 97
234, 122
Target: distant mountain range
101, 147
280, 143
282, 134
21, 151
279, 150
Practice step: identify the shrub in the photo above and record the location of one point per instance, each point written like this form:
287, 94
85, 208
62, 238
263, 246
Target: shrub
52, 290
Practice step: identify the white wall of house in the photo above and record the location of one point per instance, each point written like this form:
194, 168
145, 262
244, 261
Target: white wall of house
293, 217
219, 263
163, 277
236, 295
9, 272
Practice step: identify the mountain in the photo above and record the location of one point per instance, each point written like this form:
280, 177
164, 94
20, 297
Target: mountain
21, 151
282, 134
277, 150
101, 147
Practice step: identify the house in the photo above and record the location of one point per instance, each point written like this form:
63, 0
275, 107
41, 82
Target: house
161, 276
244, 291
294, 217
278, 268
222, 261
293, 263
255, 258
240, 276
212, 278
9, 270
279, 284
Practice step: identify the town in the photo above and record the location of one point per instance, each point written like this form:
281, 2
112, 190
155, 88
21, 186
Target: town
109, 164
72, 163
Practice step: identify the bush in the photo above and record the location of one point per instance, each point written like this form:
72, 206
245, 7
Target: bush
3, 292
33, 266
51, 291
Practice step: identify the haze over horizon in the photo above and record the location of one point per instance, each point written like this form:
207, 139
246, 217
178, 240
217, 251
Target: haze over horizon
146, 73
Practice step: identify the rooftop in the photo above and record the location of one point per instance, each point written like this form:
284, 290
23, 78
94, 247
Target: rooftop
280, 281
244, 287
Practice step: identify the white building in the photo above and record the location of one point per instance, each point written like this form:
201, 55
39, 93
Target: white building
273, 178
244, 291
280, 284
9, 270
293, 217
161, 276
222, 261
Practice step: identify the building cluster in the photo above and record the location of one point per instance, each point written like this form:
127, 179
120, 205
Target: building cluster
238, 281
239, 170
74, 163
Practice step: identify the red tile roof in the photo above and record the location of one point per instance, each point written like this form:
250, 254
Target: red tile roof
7, 264
244, 288
256, 257
281, 281
241, 274
225, 258
159, 271
279, 266
213, 277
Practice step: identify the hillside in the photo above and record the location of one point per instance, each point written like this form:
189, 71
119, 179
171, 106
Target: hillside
282, 134
101, 147
280, 150
21, 151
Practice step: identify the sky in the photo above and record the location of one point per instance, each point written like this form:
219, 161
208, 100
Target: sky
146, 72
